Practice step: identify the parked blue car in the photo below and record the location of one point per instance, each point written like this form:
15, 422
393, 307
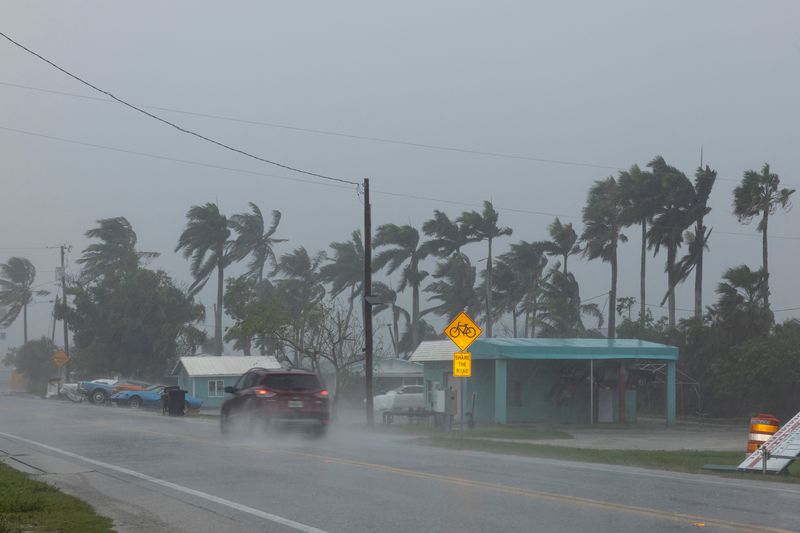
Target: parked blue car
98, 391
149, 398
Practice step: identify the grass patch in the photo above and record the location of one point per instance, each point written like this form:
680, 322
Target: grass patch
678, 461
478, 432
29, 505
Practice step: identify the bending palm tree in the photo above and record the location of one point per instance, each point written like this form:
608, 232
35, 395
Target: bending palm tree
603, 222
252, 239
758, 194
698, 240
561, 313
16, 291
483, 227
448, 236
346, 271
454, 288
405, 248
389, 298
641, 196
116, 251
673, 216
564, 241
527, 262
304, 289
205, 240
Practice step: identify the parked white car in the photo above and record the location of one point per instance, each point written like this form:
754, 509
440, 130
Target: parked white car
401, 399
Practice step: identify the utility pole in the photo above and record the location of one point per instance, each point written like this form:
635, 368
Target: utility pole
64, 295
367, 304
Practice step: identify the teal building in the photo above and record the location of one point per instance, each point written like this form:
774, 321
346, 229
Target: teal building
522, 380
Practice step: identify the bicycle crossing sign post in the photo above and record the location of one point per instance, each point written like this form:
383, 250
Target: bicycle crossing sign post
462, 331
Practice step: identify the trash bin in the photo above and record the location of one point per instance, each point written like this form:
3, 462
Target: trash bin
176, 399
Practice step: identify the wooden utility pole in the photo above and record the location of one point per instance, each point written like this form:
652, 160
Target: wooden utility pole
64, 295
367, 305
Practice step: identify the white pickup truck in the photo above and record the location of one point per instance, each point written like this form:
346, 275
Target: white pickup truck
401, 399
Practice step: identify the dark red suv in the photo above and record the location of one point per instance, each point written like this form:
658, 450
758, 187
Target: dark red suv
264, 398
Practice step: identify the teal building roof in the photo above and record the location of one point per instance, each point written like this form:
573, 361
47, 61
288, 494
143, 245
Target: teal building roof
555, 349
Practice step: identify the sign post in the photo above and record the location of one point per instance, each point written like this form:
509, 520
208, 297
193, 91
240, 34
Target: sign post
462, 331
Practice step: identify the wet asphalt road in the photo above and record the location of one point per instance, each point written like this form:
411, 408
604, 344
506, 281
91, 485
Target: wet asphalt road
153, 473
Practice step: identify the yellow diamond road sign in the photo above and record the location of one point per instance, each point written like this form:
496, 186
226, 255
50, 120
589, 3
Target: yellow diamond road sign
462, 331
60, 358
462, 364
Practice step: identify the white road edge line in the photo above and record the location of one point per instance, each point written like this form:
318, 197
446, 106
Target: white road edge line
180, 488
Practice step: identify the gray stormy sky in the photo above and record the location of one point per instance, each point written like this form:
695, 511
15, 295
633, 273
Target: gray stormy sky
607, 83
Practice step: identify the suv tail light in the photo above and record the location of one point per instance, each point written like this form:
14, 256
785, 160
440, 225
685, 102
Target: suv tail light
264, 393
323, 394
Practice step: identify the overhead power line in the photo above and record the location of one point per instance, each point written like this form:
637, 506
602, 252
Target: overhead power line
174, 125
335, 185
385, 140
317, 131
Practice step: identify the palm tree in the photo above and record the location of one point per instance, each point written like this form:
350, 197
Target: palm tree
405, 248
116, 251
602, 217
455, 288
564, 241
562, 311
448, 236
527, 262
698, 240
672, 217
388, 297
640, 195
205, 240
303, 290
346, 271
483, 227
17, 291
758, 194
252, 239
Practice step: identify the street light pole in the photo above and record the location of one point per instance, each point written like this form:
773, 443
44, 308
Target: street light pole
367, 304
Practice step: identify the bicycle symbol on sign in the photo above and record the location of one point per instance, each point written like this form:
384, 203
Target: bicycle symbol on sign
464, 328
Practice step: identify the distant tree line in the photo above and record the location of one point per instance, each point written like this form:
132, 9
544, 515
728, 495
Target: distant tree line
305, 307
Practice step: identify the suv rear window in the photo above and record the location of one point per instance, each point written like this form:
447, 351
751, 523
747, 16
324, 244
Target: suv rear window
291, 382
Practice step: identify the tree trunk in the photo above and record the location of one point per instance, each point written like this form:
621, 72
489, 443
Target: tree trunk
698, 271
514, 318
489, 292
396, 329
218, 313
25, 323
671, 253
565, 263
415, 314
765, 258
612, 295
526, 326
643, 265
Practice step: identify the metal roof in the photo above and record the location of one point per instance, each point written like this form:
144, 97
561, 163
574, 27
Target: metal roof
226, 365
392, 367
556, 349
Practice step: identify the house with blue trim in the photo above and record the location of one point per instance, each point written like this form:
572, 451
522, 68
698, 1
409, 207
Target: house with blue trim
206, 376
521, 380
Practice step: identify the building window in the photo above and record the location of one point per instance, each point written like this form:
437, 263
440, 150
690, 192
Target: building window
216, 388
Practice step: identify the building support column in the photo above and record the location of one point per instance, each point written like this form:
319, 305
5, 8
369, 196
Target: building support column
670, 393
500, 391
